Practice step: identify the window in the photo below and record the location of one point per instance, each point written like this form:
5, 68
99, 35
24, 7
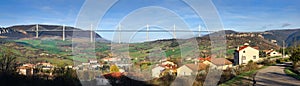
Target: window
254, 57
244, 57
244, 51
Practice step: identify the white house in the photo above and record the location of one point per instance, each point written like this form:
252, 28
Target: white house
245, 53
218, 63
157, 70
221, 63
191, 69
110, 59
26, 69
93, 61
272, 53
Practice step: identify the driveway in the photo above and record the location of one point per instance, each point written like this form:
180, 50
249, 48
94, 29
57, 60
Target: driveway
275, 76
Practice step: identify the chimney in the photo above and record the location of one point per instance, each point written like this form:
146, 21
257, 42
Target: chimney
246, 44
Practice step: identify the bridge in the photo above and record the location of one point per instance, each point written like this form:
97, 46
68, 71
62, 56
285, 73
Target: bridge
37, 28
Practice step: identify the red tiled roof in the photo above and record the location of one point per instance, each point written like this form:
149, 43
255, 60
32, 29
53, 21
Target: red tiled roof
204, 59
221, 61
114, 74
194, 67
24, 67
243, 47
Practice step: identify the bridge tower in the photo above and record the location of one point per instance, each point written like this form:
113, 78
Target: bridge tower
147, 32
199, 29
64, 34
174, 31
91, 34
37, 31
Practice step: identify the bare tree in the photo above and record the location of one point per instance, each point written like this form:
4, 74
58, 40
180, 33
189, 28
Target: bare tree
7, 60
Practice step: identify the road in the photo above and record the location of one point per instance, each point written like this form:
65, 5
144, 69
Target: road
275, 76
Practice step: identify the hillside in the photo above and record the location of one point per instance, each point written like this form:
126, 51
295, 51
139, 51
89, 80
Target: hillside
293, 39
27, 53
52, 43
281, 35
45, 32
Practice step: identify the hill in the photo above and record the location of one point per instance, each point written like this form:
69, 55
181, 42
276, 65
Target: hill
289, 36
281, 35
44, 32
140, 51
293, 39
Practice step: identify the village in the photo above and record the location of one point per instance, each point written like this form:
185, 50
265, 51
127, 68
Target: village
242, 56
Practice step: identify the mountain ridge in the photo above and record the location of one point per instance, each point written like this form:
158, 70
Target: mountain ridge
45, 31
28, 31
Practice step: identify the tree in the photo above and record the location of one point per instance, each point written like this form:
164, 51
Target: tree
7, 60
114, 68
262, 54
295, 56
174, 44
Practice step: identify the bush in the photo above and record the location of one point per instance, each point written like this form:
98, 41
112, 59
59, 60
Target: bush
290, 72
268, 62
279, 61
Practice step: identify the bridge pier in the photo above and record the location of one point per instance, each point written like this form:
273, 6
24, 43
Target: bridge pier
37, 31
91, 37
174, 31
63, 35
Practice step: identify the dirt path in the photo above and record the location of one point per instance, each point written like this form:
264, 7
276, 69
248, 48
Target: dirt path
275, 76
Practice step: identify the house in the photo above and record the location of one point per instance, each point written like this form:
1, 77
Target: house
26, 69
124, 63
93, 61
191, 69
70, 66
221, 63
206, 60
169, 64
201, 59
45, 66
245, 53
157, 70
110, 59
272, 53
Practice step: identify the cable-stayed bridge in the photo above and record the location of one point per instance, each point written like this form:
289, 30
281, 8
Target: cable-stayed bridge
40, 28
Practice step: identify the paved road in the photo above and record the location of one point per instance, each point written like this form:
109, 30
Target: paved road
275, 76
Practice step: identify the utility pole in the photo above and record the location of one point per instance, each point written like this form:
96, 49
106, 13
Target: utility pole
37, 31
64, 34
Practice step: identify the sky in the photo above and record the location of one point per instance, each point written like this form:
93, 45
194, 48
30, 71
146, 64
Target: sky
238, 15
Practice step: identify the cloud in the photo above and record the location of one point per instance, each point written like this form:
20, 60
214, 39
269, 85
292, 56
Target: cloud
46, 8
285, 25
267, 26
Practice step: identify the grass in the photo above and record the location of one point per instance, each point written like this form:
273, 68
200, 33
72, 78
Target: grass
58, 62
289, 72
238, 78
230, 51
48, 45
